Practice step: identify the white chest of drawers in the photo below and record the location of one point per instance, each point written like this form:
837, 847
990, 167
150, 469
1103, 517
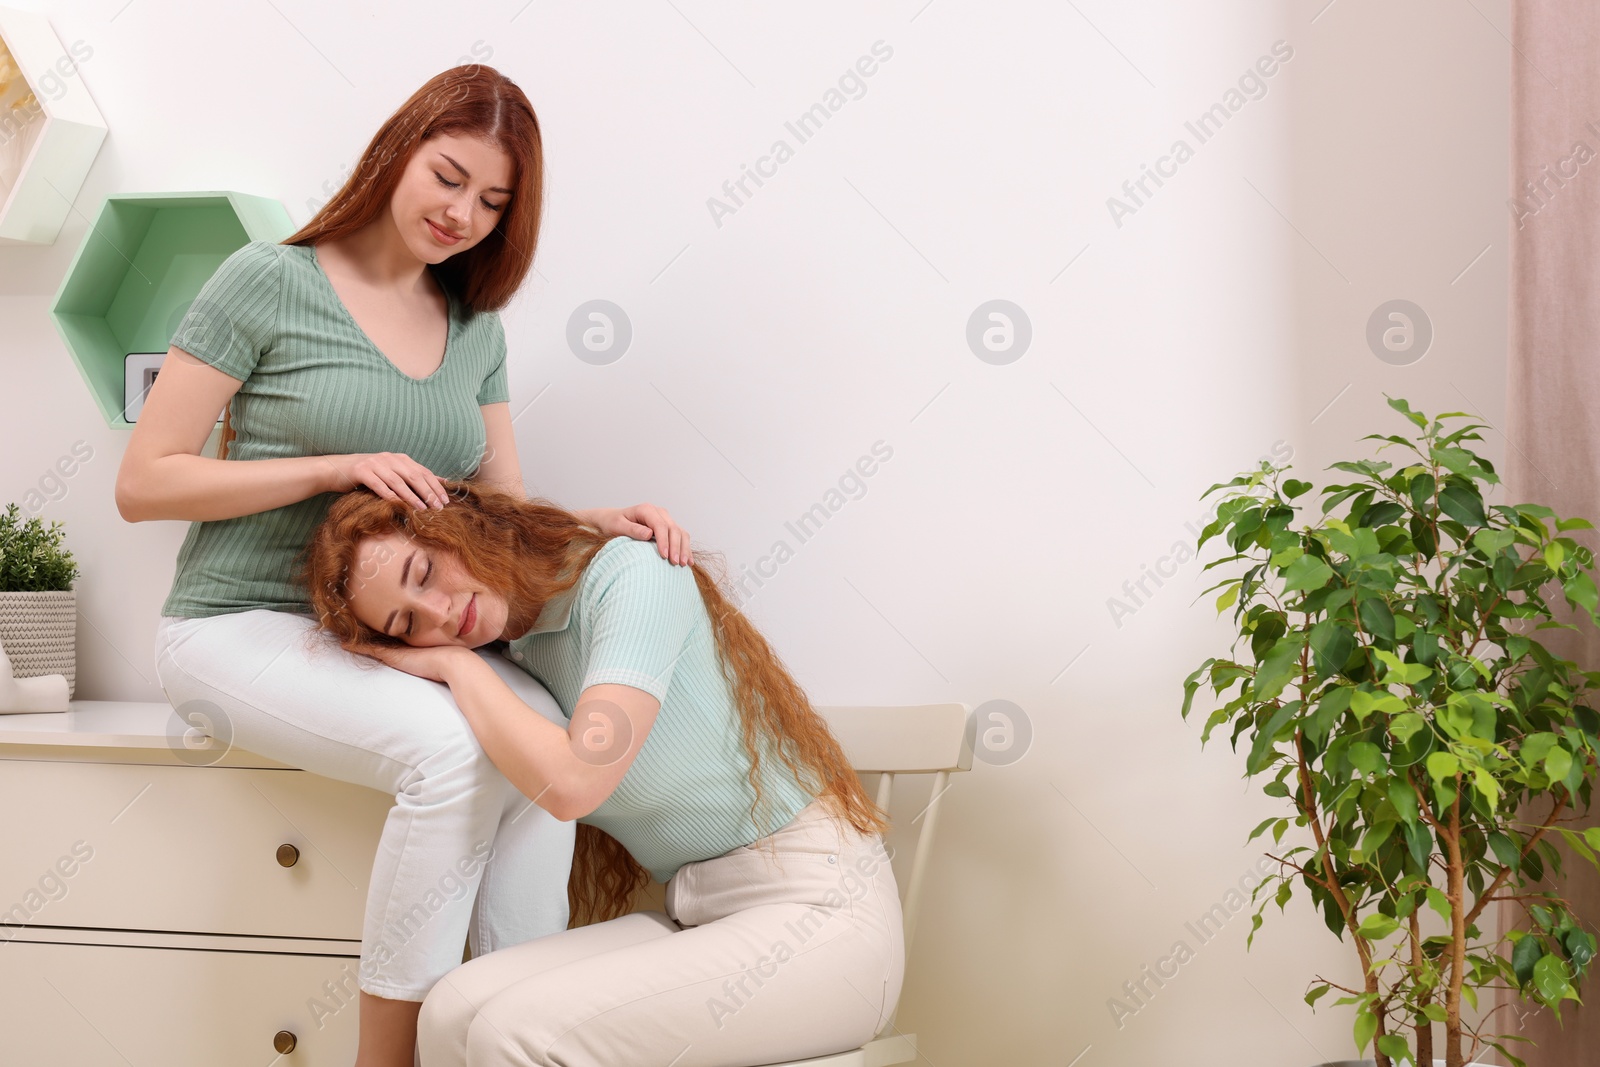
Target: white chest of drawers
157, 912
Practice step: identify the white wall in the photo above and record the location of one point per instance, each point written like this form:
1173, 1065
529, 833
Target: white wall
1217, 322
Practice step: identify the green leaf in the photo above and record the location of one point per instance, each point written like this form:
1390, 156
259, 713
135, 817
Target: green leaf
1422, 487
1366, 1026
1277, 667
1404, 726
1367, 757
1439, 903
1229, 595
1443, 766
1527, 953
1557, 764
1487, 787
1492, 541
1404, 799
1403, 407
1420, 842
1331, 645
1550, 979
1507, 853
1307, 573
1398, 670
1377, 926
1261, 749
1377, 618
1581, 591
1461, 504
1394, 1046
1535, 747
1363, 703
1294, 487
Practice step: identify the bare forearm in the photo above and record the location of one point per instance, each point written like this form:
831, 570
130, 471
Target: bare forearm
199, 488
509, 485
531, 751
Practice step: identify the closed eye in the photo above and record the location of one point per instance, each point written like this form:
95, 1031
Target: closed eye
421, 582
447, 183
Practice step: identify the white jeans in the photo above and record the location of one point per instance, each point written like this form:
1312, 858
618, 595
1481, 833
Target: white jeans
464, 856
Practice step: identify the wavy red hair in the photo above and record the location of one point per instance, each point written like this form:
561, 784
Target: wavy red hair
531, 551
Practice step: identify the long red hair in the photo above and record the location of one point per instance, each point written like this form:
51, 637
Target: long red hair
531, 551
472, 99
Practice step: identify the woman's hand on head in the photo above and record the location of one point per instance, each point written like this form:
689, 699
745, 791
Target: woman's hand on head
432, 662
643, 522
392, 475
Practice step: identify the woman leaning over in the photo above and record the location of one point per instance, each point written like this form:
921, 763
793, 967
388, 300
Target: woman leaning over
366, 351
691, 755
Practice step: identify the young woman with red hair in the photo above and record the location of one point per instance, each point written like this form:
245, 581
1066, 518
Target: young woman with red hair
366, 351
690, 754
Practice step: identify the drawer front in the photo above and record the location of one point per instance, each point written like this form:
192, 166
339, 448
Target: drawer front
93, 1006
195, 849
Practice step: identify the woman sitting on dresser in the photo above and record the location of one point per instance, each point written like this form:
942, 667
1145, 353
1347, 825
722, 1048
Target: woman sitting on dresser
676, 708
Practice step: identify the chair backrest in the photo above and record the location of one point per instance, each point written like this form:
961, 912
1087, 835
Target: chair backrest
919, 739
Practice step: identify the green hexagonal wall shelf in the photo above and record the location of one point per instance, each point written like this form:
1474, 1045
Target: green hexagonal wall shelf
142, 263
50, 129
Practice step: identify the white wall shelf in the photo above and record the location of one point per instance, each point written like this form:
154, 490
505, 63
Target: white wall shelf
50, 130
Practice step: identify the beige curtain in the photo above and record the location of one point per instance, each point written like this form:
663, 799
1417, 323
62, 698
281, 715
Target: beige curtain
1552, 454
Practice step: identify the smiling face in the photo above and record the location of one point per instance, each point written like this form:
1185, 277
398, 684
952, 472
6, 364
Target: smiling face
451, 196
422, 595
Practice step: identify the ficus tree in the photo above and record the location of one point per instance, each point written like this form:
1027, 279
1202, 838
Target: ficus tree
1397, 697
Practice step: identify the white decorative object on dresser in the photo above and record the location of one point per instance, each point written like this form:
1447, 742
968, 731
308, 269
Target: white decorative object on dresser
163, 912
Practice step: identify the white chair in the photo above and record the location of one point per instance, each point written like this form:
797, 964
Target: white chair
925, 739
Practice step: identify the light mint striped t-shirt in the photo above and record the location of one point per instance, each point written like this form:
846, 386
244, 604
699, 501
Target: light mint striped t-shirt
314, 384
636, 619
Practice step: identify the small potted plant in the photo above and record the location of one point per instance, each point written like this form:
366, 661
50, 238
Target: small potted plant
1397, 698
38, 608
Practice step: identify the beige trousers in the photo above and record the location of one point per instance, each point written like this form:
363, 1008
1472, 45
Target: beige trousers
757, 960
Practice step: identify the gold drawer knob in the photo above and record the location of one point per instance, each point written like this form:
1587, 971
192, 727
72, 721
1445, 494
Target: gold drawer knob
283, 1041
288, 856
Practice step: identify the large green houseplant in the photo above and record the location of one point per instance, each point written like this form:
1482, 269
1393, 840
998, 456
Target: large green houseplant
1398, 697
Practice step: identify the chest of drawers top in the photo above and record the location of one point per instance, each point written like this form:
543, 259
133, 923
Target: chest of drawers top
117, 731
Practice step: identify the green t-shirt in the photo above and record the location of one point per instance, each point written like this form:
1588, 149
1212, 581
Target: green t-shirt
636, 619
314, 384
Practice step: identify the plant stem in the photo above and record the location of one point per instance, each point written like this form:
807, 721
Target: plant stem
1424, 1025
1331, 884
1458, 936
1505, 872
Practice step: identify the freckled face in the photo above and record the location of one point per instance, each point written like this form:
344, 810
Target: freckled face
423, 596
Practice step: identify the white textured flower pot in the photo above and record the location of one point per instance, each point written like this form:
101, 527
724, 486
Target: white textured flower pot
39, 631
